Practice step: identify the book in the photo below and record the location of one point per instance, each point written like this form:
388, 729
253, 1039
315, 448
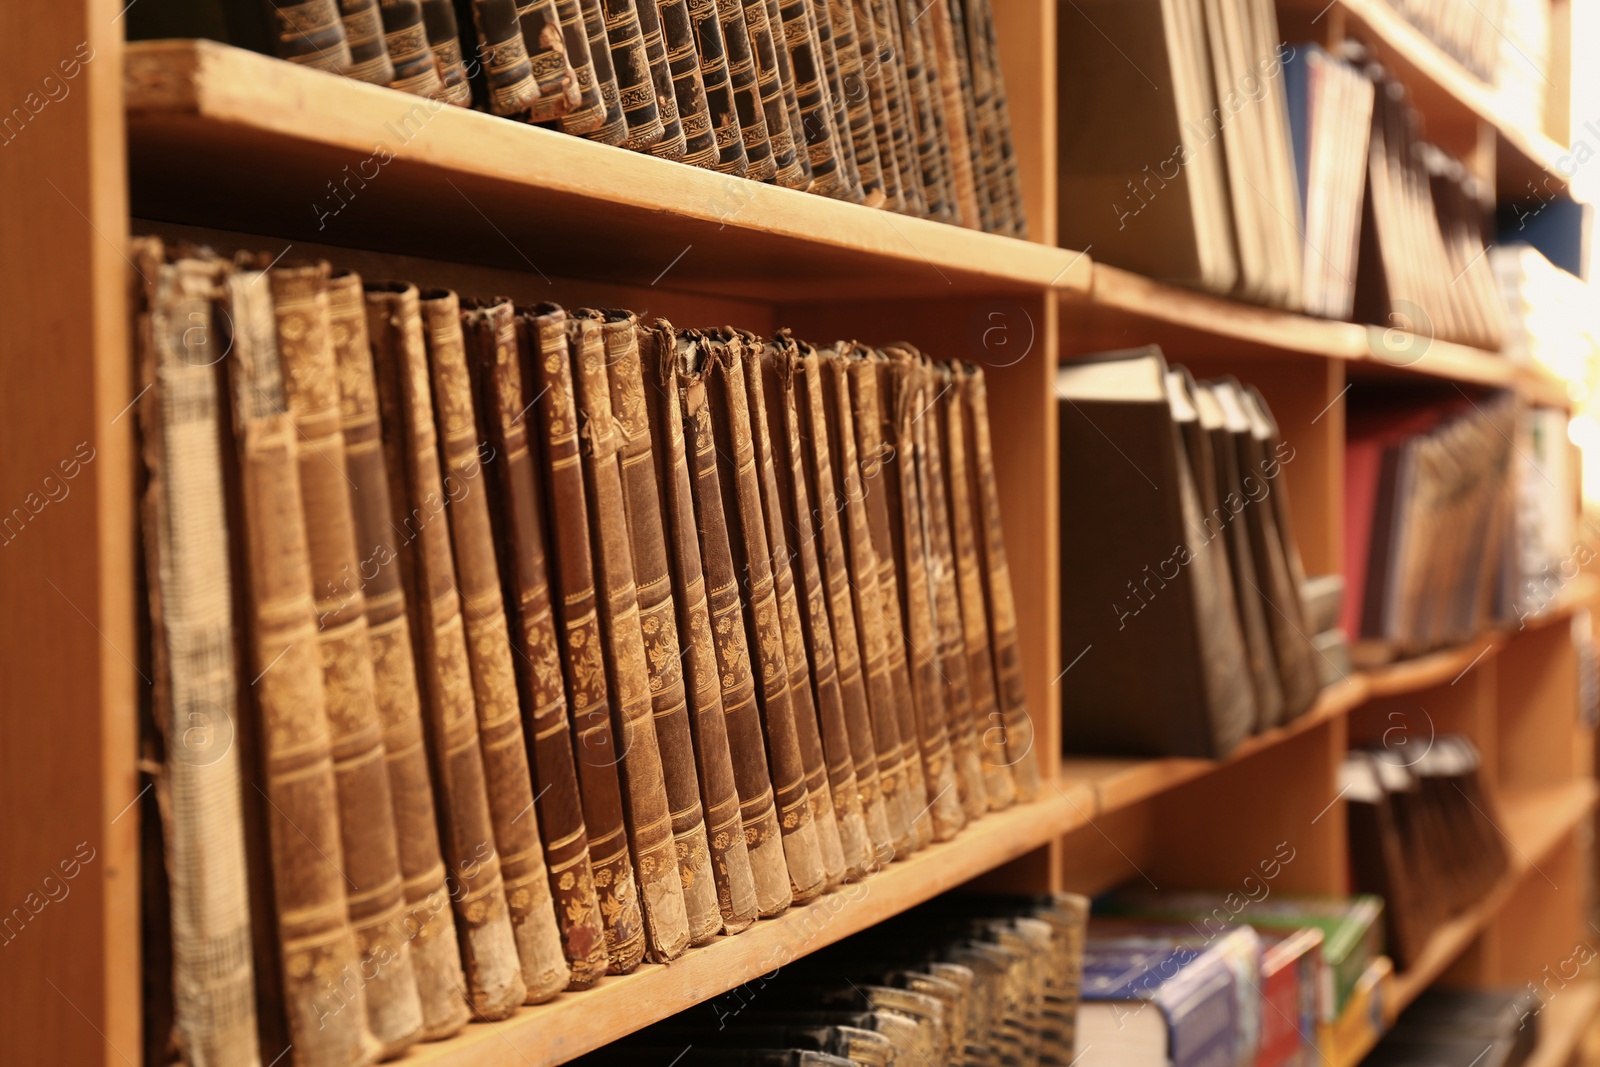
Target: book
444, 41
775, 88
1289, 995
613, 126
406, 38
672, 144
822, 146
635, 82
587, 112
363, 32
683, 63
711, 47
309, 32
546, 46
742, 83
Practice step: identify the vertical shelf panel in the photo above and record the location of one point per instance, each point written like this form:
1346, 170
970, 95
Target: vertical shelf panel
1537, 702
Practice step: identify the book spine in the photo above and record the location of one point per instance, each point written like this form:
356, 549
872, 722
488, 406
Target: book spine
672, 143
494, 985
759, 163
952, 84
1017, 213
586, 112
821, 144
428, 924
725, 827
613, 127
406, 38
363, 31
922, 119
894, 56
869, 87
820, 24
588, 693
683, 61
635, 87
657, 620
770, 89
327, 1025
989, 170
507, 72
308, 32
555, 80
496, 343
183, 511
444, 41
853, 95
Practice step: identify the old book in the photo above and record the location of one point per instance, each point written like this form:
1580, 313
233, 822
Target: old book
848, 44
587, 112
1016, 218
613, 127
636, 90
771, 54
428, 924
488, 639
496, 343
548, 371
556, 81
309, 32
444, 40
870, 85
184, 525
997, 588
658, 621
672, 144
315, 940
821, 26
494, 985
759, 164
923, 80
821, 139
649, 819
406, 38
951, 85
683, 63
366, 812
740, 817
897, 99
363, 31
994, 202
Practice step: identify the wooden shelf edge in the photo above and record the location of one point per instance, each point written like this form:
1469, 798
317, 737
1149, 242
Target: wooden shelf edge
1562, 1024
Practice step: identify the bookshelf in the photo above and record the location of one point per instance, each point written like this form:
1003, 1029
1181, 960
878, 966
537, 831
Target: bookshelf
211, 142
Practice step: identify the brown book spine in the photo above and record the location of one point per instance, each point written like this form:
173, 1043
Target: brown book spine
742, 74
588, 692
770, 87
820, 25
857, 103
924, 121
366, 812
496, 341
683, 63
1017, 215
429, 924
327, 1024
820, 138
363, 31
988, 724
989, 170
635, 88
653, 578
897, 95
951, 84
721, 109
494, 985
444, 40
308, 32
719, 784
765, 835
997, 590
672, 144
585, 110
786, 86
407, 40
870, 86
556, 81
613, 128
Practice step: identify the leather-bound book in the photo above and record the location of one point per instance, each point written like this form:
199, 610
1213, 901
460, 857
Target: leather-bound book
953, 86
672, 143
821, 138
997, 587
658, 620
502, 51
635, 85
494, 985
741, 820
496, 343
990, 726
770, 87
488, 638
821, 21
327, 1022
888, 689
366, 812
444, 40
816, 497
870, 85
897, 105
407, 40
848, 48
613, 127
886, 413
683, 63
988, 171
922, 74
363, 31
428, 924
789, 509
759, 164
588, 112
310, 33
1017, 217
644, 789
556, 81
548, 372
184, 521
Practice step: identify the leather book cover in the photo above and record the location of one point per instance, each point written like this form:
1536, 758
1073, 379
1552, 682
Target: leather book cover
672, 143
1017, 216
897, 97
877, 56
683, 64
366, 811
769, 50
496, 343
852, 89
821, 23
542, 39
363, 31
658, 620
952, 85
586, 112
406, 38
613, 127
721, 110
315, 941
488, 638
184, 522
428, 923
828, 770
309, 32
887, 411
993, 201
921, 124
821, 139
933, 80
494, 985
971, 118
742, 76
444, 40
1019, 734
636, 90
729, 755
548, 372
999, 782
649, 818
786, 83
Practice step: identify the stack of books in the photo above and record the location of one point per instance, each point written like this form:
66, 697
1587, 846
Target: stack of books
542, 642
1482, 1027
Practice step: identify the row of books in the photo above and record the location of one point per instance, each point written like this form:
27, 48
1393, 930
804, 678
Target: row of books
1472, 1027
888, 103
550, 641
1467, 30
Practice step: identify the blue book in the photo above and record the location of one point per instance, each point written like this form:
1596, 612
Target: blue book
1153, 1003
1297, 88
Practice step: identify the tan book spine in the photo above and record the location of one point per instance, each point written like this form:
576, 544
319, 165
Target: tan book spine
444, 40
742, 74
496, 343
658, 620
588, 691
713, 728
584, 110
821, 144
997, 590
494, 984
871, 86
821, 27
429, 924
614, 129
958, 149
327, 1024
366, 811
310, 33
494, 684
852, 89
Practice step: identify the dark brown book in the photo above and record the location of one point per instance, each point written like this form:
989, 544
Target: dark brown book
553, 75
308, 32
765, 46
857, 101
821, 139
407, 40
363, 31
871, 86
759, 164
429, 923
683, 63
613, 127
587, 112
636, 89
549, 373
658, 620
496, 343
444, 40
672, 143
366, 812
494, 985
741, 820
821, 20
315, 940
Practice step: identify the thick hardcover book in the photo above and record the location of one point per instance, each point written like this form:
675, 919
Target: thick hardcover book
613, 128
769, 50
406, 38
951, 83
184, 522
922, 119
502, 52
635, 85
315, 941
658, 620
721, 110
897, 97
309, 32
683, 63
740, 817
871, 85
742, 75
496, 342
429, 923
444, 40
586, 111
363, 31
849, 48
552, 71
821, 25
672, 143
821, 139
578, 619
1148, 1002
494, 985
366, 812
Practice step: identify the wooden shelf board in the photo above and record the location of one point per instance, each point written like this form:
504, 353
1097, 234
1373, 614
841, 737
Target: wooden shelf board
575, 1023
1562, 1024
224, 137
1444, 667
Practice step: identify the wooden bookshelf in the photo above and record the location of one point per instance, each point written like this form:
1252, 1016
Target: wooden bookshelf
1563, 1022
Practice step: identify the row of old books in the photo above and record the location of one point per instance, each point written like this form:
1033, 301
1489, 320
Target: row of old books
542, 642
1185, 624
888, 103
1467, 30
1469, 1027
